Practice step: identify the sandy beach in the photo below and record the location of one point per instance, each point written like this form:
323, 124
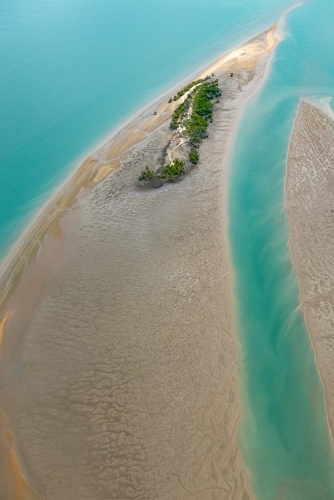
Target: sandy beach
118, 355
309, 192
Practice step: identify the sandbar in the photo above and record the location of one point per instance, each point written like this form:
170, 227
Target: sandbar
309, 194
118, 363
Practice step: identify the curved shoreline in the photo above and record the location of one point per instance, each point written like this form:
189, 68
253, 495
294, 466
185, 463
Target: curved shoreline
99, 164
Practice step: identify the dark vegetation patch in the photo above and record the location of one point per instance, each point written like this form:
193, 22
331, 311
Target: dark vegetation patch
178, 115
193, 127
172, 169
185, 89
193, 156
146, 174
201, 114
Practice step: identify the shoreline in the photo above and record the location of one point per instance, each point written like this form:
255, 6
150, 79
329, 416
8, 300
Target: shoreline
49, 212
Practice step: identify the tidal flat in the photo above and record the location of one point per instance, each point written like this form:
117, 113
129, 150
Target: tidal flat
309, 189
118, 357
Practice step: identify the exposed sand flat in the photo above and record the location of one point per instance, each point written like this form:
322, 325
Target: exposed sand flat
126, 141
309, 191
118, 362
105, 170
245, 57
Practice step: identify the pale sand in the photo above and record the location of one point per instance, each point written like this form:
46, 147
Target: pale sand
104, 170
13, 484
118, 363
2, 327
245, 57
126, 141
309, 192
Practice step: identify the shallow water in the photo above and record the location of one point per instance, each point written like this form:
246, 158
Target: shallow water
284, 434
73, 71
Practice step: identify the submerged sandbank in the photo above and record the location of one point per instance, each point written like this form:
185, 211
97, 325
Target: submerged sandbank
118, 363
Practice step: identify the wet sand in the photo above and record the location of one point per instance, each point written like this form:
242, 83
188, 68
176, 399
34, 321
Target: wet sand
309, 192
118, 363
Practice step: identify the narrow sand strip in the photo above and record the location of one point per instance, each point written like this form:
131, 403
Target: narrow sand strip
2, 327
13, 485
309, 192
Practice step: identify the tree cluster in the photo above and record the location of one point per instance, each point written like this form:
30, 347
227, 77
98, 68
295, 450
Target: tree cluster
185, 89
146, 174
173, 169
195, 126
202, 108
177, 116
193, 156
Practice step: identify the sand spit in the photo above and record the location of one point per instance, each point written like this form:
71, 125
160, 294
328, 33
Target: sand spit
110, 156
118, 362
309, 191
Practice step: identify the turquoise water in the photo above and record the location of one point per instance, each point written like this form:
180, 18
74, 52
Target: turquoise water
72, 71
284, 436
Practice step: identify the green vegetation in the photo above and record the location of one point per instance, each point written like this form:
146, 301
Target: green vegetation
178, 115
201, 114
146, 174
186, 88
172, 169
170, 100
201, 111
169, 171
199, 107
193, 156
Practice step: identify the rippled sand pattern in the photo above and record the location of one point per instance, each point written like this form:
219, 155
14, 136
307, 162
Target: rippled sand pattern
309, 188
118, 363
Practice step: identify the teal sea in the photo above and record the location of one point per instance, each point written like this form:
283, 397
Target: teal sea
284, 436
74, 71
